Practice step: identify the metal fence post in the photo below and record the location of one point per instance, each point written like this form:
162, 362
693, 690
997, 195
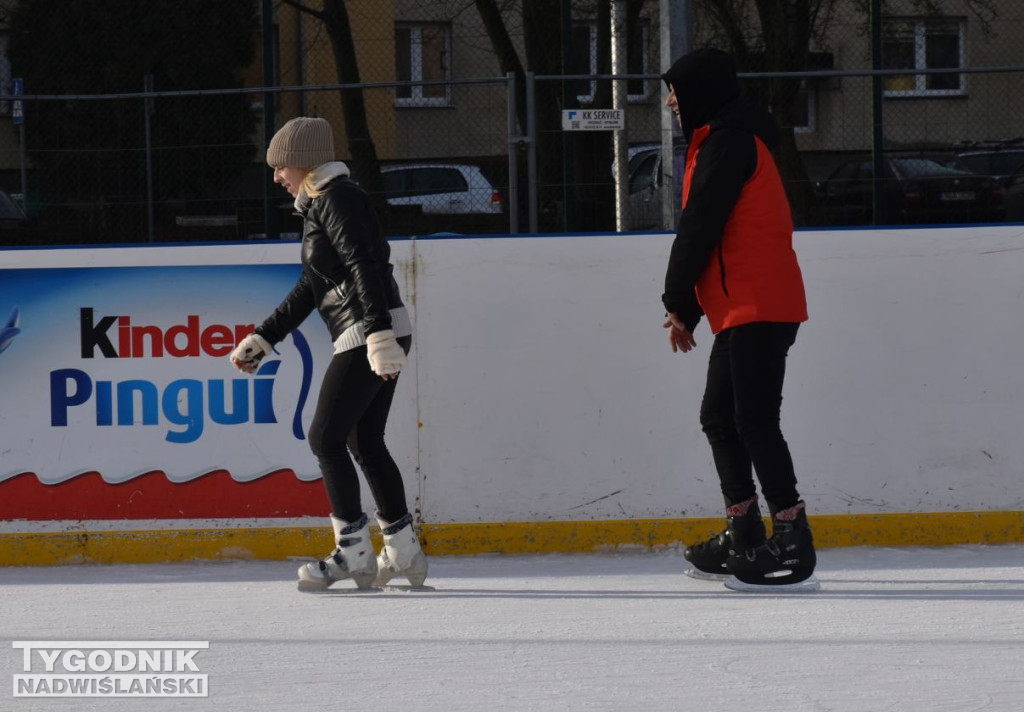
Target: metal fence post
877, 129
18, 115
513, 156
147, 110
271, 224
531, 147
676, 40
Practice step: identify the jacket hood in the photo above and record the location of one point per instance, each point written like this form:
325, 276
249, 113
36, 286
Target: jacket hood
319, 177
708, 92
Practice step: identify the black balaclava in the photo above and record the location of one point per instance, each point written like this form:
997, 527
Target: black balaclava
704, 81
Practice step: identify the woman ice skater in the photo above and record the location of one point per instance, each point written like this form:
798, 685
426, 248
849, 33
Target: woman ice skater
347, 277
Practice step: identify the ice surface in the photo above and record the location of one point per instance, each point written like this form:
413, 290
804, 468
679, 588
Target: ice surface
902, 629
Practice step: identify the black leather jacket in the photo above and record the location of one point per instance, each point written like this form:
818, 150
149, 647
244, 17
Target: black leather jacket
346, 270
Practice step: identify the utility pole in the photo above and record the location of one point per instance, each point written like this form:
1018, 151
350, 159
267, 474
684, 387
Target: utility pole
148, 107
568, 101
877, 130
271, 223
619, 88
676, 18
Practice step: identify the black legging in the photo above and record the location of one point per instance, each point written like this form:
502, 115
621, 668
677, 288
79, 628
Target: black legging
351, 414
741, 409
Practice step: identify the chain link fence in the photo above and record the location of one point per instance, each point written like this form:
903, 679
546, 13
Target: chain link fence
132, 122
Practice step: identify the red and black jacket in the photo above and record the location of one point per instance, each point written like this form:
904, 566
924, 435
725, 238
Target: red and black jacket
732, 258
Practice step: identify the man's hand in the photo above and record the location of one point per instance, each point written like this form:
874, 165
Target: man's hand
679, 337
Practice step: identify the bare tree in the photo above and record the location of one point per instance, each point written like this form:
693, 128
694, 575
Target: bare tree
335, 19
777, 36
773, 35
544, 49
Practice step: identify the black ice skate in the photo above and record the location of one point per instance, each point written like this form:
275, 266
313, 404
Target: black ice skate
744, 530
783, 563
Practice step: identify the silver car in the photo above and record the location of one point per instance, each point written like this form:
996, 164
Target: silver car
441, 189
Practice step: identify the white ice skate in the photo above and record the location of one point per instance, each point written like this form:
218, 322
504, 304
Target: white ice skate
352, 558
401, 554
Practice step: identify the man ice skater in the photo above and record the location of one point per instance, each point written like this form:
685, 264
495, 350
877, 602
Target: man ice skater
733, 260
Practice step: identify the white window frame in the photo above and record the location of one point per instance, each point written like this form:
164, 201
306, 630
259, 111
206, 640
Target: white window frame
416, 64
645, 36
812, 106
592, 45
920, 57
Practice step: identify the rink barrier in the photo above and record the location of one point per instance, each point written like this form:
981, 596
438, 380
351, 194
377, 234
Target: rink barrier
921, 429
280, 543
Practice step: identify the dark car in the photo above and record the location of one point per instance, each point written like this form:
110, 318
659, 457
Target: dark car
16, 228
1013, 196
915, 189
11, 214
998, 163
645, 185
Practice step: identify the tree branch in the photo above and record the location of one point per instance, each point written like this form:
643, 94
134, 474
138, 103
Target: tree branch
494, 24
303, 8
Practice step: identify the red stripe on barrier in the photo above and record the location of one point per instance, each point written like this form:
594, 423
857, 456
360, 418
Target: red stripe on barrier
152, 496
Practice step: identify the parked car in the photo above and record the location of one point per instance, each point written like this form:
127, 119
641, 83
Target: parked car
16, 228
645, 187
915, 189
998, 163
11, 214
635, 154
441, 189
1013, 196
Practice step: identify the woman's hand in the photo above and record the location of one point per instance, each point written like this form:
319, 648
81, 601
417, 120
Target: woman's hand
250, 351
386, 355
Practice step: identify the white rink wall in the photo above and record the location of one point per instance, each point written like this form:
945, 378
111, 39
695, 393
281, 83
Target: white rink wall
547, 389
542, 388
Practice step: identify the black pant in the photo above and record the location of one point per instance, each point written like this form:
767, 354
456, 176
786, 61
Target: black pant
351, 414
741, 408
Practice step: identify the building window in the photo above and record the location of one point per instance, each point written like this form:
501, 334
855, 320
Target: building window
584, 61
923, 44
422, 54
805, 109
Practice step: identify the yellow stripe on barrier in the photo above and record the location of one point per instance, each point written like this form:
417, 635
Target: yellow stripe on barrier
830, 530
106, 547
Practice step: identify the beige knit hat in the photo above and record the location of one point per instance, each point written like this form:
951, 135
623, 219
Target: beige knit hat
303, 142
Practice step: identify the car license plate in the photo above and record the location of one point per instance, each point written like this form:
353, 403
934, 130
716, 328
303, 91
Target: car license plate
961, 195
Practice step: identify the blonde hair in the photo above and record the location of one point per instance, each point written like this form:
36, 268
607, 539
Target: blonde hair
307, 185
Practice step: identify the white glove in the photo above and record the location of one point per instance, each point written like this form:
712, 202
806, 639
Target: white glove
249, 352
386, 355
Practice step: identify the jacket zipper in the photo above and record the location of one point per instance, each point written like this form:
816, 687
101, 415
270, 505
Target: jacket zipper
721, 265
315, 270
328, 280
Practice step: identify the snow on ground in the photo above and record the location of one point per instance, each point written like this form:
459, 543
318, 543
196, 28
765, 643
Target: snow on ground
907, 629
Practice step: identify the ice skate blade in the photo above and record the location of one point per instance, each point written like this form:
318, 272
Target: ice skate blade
338, 591
309, 587
406, 588
384, 588
809, 585
704, 575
